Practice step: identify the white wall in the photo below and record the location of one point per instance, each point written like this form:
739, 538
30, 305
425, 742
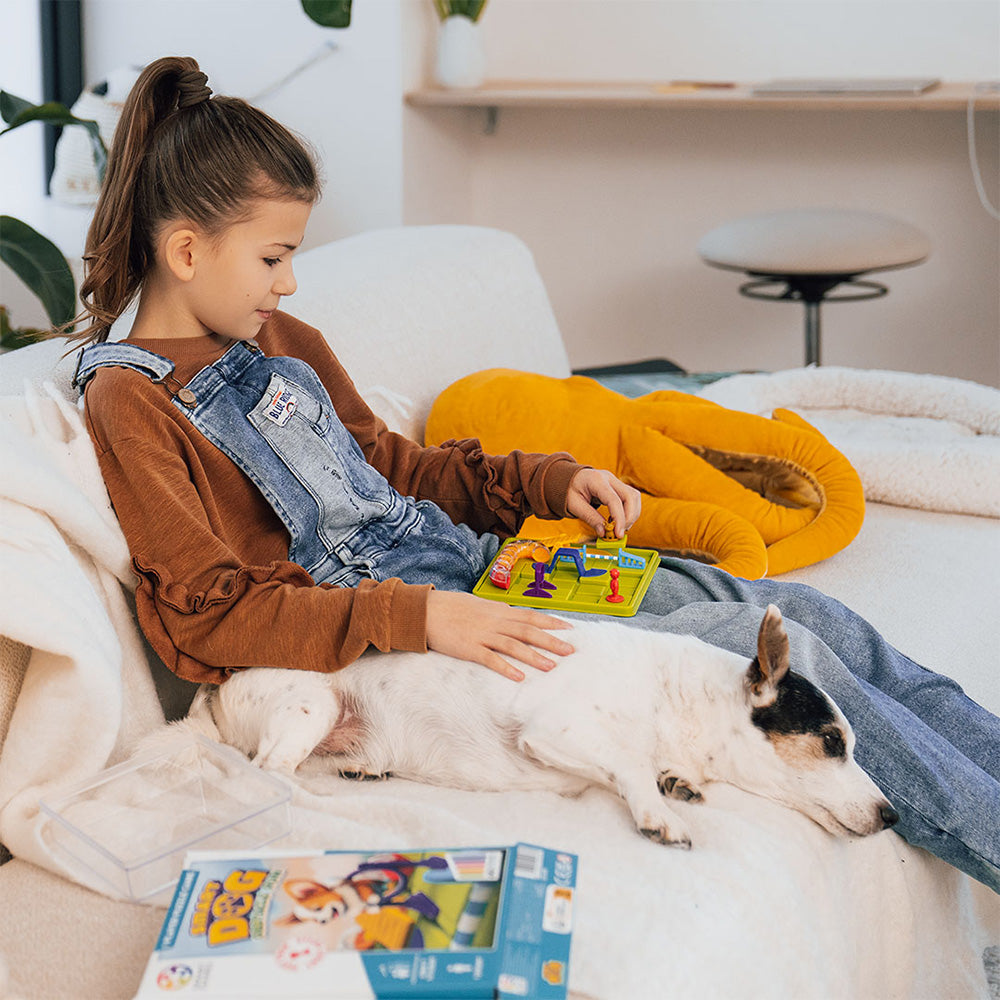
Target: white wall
613, 202
739, 39
347, 105
22, 157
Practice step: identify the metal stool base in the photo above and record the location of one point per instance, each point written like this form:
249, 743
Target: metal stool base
812, 290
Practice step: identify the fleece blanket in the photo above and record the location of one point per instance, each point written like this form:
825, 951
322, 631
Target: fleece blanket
65, 577
766, 904
924, 441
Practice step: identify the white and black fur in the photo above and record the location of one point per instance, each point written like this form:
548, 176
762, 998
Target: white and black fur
652, 715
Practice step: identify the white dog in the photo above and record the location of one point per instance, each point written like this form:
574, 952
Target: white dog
651, 715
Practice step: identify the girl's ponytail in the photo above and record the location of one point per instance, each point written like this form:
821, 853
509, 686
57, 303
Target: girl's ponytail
114, 266
179, 153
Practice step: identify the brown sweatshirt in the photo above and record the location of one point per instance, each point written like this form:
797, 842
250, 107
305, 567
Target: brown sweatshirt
216, 591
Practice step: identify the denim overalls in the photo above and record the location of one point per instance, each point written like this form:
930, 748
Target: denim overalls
274, 418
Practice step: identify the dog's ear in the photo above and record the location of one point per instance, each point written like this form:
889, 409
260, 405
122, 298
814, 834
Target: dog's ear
304, 889
770, 665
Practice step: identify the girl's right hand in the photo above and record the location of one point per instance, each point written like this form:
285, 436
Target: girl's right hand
489, 632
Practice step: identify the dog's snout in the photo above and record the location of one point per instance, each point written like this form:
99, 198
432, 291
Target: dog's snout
889, 815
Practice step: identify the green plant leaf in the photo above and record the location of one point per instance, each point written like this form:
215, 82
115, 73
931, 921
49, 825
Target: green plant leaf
329, 13
40, 264
11, 106
17, 112
13, 337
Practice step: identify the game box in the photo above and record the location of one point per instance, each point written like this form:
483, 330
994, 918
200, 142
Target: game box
415, 924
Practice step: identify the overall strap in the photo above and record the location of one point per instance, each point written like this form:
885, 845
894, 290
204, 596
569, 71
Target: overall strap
120, 355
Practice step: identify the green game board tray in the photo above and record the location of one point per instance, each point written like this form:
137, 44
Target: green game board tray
573, 592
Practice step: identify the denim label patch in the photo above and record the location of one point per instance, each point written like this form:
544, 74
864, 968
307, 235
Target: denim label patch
281, 405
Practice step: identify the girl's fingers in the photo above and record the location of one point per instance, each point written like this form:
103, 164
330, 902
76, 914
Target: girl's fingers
494, 634
500, 666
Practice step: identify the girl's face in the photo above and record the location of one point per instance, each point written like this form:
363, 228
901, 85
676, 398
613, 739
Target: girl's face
241, 277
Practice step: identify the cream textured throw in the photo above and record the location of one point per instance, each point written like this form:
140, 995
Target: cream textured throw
922, 441
648, 919
87, 693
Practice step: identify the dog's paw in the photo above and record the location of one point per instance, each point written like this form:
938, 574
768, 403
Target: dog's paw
675, 787
364, 776
667, 837
661, 825
275, 764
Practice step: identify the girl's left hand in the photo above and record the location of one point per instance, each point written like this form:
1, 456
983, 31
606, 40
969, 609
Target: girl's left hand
623, 502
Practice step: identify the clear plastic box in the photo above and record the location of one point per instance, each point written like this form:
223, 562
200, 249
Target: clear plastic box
132, 824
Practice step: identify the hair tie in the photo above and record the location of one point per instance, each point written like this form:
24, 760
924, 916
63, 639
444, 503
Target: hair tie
192, 88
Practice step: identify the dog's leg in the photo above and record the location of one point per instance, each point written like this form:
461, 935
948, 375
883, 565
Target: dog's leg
294, 727
606, 763
653, 817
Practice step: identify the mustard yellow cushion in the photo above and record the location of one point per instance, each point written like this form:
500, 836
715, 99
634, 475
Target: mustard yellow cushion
755, 496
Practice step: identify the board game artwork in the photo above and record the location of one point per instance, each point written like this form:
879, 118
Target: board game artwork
470, 922
600, 577
389, 902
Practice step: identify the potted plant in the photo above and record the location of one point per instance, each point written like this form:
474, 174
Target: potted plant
36, 260
460, 58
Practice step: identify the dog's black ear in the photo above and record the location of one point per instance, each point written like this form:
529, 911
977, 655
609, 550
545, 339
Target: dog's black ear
770, 665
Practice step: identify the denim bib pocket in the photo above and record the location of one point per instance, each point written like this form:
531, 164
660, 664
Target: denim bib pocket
301, 432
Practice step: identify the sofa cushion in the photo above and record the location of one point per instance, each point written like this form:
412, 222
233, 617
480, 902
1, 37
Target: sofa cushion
37, 363
69, 942
409, 310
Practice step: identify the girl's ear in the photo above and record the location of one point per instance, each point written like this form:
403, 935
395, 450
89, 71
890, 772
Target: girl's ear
180, 251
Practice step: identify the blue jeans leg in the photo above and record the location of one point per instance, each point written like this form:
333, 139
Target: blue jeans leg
932, 750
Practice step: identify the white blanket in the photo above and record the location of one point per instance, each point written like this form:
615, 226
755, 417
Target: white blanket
766, 905
922, 441
87, 693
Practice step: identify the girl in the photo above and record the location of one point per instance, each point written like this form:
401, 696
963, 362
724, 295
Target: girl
204, 203
274, 521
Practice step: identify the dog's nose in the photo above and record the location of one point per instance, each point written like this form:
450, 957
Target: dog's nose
889, 815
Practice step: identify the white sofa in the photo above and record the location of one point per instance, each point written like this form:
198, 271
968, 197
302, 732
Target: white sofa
766, 905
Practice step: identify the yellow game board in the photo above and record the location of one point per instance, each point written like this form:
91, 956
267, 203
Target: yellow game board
562, 587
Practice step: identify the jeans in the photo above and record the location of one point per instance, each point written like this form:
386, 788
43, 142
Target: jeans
932, 751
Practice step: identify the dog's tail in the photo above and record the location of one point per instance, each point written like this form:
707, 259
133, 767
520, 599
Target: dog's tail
178, 736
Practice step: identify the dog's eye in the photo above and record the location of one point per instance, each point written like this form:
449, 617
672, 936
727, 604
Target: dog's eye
833, 745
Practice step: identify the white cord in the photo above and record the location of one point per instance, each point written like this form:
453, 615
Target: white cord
321, 53
979, 88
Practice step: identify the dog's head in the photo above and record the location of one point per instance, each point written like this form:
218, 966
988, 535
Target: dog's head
802, 745
319, 903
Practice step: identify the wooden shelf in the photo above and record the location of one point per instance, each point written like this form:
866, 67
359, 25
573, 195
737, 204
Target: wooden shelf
494, 95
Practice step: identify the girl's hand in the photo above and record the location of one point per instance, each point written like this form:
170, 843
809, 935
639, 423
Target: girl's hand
489, 632
623, 502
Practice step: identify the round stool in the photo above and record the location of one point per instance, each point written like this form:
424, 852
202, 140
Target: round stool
804, 254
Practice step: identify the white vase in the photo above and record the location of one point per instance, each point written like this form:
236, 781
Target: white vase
461, 61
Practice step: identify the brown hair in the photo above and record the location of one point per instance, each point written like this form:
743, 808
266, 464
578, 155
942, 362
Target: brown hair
180, 153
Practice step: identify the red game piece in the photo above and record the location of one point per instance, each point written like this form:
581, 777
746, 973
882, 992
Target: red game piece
614, 597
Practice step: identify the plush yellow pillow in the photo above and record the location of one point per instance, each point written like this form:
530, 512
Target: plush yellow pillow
755, 496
